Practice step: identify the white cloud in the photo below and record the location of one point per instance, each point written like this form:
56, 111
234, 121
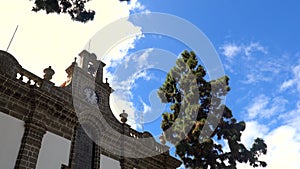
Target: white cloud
137, 6
283, 146
252, 131
295, 81
264, 107
231, 50
118, 54
287, 84
283, 141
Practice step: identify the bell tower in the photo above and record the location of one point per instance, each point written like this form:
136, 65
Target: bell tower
88, 62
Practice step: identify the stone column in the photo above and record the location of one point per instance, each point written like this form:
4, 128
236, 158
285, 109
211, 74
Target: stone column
96, 156
126, 164
30, 146
124, 161
72, 150
81, 156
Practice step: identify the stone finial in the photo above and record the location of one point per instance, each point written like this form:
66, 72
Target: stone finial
49, 72
162, 139
123, 117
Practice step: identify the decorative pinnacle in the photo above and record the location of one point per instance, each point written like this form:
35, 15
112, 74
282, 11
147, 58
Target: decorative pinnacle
75, 59
49, 72
123, 117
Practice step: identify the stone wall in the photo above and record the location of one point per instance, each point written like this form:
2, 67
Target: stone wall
61, 110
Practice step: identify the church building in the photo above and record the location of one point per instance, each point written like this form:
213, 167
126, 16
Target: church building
71, 126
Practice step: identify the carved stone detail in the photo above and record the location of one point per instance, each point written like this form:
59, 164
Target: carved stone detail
8, 64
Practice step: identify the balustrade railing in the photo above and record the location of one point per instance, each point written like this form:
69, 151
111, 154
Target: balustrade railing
29, 78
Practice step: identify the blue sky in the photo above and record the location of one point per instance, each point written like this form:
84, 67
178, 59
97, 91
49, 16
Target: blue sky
257, 43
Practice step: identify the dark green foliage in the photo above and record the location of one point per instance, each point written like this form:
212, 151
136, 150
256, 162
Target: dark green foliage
198, 116
75, 8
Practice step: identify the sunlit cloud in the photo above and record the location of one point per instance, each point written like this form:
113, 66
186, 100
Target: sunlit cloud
283, 145
282, 141
54, 39
250, 134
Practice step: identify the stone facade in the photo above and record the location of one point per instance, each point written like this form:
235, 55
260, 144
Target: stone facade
63, 111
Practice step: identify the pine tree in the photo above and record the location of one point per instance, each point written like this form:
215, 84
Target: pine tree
199, 121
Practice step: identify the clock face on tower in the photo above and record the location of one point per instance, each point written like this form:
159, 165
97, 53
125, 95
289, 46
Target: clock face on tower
90, 96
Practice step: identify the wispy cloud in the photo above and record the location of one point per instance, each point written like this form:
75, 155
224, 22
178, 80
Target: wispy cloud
146, 108
273, 113
253, 62
231, 50
254, 47
287, 84
260, 103
292, 117
294, 81
254, 77
127, 71
142, 60
140, 115
265, 107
